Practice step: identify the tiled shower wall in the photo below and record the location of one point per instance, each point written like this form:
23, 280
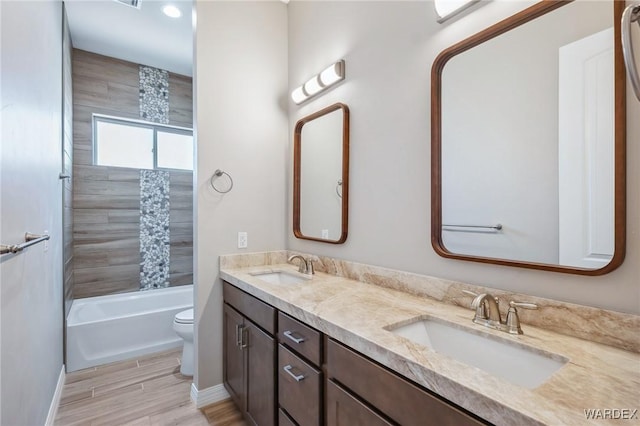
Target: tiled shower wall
113, 252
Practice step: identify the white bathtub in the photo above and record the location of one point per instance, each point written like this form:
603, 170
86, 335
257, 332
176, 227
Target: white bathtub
112, 328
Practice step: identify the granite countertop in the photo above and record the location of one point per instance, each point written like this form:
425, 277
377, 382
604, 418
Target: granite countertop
596, 376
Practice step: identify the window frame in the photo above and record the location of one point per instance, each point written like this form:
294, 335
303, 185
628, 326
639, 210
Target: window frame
154, 127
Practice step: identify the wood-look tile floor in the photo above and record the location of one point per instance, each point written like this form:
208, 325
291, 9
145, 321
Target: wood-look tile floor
146, 391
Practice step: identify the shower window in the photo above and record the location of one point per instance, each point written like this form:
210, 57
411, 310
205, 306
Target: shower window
142, 145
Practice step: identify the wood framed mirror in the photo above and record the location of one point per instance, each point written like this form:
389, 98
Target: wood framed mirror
528, 124
321, 175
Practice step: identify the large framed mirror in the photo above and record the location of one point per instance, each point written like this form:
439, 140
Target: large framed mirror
321, 175
528, 141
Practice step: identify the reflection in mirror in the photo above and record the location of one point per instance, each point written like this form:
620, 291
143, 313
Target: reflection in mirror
321, 175
528, 142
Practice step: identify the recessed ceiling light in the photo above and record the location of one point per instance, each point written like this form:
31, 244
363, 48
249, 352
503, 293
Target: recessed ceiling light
171, 11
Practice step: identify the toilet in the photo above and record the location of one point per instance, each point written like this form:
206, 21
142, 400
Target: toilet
183, 326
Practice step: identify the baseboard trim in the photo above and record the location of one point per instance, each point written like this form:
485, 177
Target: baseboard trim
55, 401
208, 396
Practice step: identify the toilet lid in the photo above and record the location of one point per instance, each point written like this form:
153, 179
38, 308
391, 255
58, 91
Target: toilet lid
185, 317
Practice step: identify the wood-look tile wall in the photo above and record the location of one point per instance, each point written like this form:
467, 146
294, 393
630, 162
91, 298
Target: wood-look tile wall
106, 200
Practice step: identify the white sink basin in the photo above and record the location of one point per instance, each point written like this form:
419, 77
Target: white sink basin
280, 277
517, 364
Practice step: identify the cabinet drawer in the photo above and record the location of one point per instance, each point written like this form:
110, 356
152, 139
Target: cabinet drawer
252, 308
300, 338
299, 388
284, 419
343, 409
400, 400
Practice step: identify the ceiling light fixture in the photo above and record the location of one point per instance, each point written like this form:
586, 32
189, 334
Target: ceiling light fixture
171, 11
319, 82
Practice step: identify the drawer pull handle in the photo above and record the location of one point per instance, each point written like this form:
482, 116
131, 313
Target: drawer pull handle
289, 334
288, 368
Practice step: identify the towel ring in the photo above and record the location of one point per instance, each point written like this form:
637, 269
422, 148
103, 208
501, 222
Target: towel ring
338, 186
219, 173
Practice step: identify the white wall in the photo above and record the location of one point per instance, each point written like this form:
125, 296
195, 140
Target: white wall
240, 85
31, 200
389, 49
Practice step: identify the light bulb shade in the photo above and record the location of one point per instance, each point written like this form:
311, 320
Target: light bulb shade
298, 95
312, 86
445, 9
332, 74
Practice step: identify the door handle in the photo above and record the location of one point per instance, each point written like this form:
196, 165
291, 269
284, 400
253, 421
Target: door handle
239, 334
244, 338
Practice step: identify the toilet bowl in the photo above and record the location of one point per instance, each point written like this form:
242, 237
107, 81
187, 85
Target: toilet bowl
183, 326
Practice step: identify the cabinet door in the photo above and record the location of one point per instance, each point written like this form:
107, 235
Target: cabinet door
233, 364
345, 410
260, 356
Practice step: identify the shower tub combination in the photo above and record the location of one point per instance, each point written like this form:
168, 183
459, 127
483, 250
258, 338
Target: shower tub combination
112, 328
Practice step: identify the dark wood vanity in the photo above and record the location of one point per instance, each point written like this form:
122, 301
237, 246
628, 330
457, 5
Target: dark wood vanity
279, 370
249, 355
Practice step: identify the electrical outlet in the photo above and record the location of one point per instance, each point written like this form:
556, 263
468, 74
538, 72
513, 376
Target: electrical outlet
242, 240
325, 233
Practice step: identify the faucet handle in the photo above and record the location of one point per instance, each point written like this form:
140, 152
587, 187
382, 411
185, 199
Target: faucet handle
470, 293
523, 305
513, 320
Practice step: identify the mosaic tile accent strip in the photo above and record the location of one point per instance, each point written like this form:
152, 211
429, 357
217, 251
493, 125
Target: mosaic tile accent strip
154, 94
154, 229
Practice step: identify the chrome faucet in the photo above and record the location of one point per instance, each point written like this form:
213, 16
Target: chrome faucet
488, 312
305, 265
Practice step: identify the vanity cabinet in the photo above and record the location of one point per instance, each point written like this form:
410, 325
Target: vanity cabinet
279, 370
361, 392
249, 358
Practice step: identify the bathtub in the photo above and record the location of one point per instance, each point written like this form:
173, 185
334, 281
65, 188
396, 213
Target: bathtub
112, 328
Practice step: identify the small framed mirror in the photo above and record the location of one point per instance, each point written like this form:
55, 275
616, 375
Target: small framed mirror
321, 175
528, 141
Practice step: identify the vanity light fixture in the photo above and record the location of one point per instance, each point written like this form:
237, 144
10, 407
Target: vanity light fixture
313, 86
133, 3
316, 84
171, 11
446, 9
